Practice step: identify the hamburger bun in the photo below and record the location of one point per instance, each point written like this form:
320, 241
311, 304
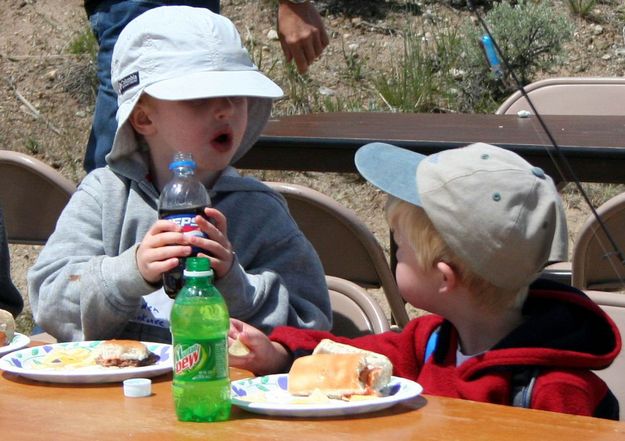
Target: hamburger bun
123, 353
7, 327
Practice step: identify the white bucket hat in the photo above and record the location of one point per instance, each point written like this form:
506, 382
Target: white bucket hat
182, 53
502, 216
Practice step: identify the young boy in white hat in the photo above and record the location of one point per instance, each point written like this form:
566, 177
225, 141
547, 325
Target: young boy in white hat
185, 83
474, 227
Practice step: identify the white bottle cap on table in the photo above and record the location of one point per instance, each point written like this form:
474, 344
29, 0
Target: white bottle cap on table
138, 387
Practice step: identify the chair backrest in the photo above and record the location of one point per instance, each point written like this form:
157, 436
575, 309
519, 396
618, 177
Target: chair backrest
347, 248
32, 195
614, 305
594, 264
354, 311
570, 96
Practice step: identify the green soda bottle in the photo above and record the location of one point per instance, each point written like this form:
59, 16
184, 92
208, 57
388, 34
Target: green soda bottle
199, 327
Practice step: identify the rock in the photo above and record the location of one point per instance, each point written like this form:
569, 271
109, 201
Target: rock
51, 75
273, 35
458, 74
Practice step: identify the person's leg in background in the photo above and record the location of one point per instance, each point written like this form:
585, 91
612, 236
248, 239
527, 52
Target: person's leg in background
10, 298
107, 21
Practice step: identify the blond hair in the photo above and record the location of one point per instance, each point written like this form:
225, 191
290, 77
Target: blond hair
430, 248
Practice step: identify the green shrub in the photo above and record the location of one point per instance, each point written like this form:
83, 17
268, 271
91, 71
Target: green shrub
421, 80
581, 7
530, 35
84, 44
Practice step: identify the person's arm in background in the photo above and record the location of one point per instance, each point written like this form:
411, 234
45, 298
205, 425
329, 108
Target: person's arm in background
302, 34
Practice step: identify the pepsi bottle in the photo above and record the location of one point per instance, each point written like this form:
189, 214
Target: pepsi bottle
182, 199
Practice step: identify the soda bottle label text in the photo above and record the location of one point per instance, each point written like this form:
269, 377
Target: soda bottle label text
202, 360
187, 222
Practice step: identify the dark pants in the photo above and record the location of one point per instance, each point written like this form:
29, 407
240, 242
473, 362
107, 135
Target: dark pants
107, 21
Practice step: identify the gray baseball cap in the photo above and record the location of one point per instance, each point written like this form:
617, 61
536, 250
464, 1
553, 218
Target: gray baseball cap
502, 216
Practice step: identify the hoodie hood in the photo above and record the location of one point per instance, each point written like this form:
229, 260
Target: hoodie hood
563, 329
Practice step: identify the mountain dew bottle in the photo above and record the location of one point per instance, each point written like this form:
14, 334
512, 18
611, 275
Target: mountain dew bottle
199, 327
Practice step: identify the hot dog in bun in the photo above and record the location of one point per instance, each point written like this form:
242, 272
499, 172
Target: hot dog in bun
339, 371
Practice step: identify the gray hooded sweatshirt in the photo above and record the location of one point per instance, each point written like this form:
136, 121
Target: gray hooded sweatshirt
86, 285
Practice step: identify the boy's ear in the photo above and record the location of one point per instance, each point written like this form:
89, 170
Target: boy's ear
140, 119
449, 277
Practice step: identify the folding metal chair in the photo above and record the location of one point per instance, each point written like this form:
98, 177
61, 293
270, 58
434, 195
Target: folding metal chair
570, 96
32, 196
347, 248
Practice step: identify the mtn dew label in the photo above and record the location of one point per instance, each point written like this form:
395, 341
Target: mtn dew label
201, 360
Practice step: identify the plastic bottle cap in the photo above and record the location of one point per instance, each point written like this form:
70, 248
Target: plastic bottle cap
138, 387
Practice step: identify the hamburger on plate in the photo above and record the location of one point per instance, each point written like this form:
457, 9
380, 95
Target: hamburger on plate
124, 353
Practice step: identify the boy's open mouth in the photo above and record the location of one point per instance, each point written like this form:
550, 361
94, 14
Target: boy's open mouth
222, 142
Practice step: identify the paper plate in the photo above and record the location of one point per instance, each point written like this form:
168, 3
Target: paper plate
19, 341
28, 363
268, 395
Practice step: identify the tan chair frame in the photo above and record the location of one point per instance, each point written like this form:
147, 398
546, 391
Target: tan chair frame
354, 311
595, 265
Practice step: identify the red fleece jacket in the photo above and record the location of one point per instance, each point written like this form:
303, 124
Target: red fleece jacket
564, 334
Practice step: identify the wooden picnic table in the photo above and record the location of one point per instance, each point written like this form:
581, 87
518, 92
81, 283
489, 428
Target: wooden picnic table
31, 410
594, 145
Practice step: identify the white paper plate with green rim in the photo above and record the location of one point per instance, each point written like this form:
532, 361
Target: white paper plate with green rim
268, 395
19, 341
37, 363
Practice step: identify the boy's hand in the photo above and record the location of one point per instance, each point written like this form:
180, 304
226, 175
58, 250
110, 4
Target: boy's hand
265, 357
217, 246
159, 250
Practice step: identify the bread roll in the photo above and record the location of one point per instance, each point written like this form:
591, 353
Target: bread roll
339, 375
7, 327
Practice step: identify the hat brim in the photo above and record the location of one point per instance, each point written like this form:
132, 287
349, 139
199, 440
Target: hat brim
214, 84
391, 169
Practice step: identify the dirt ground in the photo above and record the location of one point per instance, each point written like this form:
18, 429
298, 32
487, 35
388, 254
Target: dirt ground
46, 93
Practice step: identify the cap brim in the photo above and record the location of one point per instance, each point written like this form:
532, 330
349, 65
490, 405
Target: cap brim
391, 169
214, 84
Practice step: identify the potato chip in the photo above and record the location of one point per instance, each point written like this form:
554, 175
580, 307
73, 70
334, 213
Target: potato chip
238, 348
